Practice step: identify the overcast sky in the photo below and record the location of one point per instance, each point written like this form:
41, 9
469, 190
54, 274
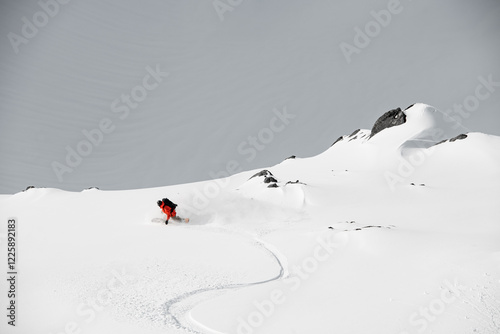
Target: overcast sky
132, 94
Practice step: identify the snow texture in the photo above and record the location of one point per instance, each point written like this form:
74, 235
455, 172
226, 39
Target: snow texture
388, 234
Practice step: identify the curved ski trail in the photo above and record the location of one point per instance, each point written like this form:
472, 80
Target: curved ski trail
169, 317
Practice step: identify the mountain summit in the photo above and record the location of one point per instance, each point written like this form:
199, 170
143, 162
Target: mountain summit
419, 125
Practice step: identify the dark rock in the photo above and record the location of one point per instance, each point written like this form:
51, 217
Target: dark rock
350, 136
411, 105
354, 133
29, 187
295, 182
391, 118
264, 172
270, 179
442, 141
291, 157
93, 188
459, 137
338, 139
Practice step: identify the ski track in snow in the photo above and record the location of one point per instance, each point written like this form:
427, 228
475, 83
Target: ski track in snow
169, 317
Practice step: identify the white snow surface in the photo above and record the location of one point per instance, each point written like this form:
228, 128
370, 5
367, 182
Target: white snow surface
378, 236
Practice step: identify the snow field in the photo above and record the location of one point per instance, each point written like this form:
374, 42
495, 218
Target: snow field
341, 251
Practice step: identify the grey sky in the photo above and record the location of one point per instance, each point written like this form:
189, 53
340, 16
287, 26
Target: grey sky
228, 80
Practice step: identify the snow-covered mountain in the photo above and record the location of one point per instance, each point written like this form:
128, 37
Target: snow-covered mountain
69, 67
391, 230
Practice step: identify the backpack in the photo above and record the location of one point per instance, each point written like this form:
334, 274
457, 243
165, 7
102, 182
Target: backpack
169, 203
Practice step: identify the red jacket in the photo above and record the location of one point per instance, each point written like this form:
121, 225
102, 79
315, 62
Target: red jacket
168, 211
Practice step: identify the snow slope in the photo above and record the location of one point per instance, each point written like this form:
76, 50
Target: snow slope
376, 237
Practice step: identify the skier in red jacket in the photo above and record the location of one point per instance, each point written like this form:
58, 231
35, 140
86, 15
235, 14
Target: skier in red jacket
168, 208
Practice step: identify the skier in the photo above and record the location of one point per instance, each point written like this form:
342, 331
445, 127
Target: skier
168, 208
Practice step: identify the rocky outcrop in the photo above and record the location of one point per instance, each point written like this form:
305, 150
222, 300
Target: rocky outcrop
338, 139
459, 137
263, 172
354, 133
391, 118
268, 178
295, 182
352, 136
